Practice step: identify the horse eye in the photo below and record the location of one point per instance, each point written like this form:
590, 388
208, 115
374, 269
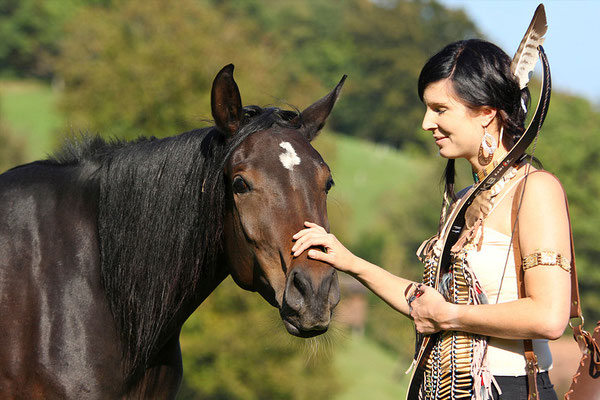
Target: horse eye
329, 185
240, 185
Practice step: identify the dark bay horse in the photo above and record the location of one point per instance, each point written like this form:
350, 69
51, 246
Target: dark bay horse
108, 247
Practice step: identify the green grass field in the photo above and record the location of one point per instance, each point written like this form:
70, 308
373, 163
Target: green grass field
29, 109
368, 372
363, 171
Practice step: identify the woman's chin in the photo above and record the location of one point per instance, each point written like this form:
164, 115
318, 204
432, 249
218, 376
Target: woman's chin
445, 153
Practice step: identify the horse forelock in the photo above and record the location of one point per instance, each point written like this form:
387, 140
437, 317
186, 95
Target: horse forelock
160, 223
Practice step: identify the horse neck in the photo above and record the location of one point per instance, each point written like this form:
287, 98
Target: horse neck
204, 289
159, 240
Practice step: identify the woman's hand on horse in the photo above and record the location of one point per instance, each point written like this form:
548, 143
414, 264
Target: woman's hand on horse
335, 253
430, 311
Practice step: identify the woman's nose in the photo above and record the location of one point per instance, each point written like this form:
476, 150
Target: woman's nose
428, 121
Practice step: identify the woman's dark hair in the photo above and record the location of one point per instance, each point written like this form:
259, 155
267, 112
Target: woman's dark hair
480, 75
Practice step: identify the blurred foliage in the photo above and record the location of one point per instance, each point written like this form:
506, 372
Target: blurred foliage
145, 66
241, 351
310, 34
369, 371
380, 45
392, 44
30, 32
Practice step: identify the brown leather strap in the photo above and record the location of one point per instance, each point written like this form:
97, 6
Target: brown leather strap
532, 368
575, 303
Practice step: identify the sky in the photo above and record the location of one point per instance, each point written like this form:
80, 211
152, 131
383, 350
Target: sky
571, 47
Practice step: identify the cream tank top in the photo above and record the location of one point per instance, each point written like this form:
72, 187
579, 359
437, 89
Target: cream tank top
505, 356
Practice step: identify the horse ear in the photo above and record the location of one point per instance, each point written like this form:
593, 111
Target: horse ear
226, 103
314, 116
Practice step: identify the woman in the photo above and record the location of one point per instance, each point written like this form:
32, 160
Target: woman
476, 111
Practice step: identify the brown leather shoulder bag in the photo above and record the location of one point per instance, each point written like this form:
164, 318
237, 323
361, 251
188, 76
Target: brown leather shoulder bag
586, 381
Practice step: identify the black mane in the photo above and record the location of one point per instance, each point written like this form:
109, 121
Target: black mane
160, 223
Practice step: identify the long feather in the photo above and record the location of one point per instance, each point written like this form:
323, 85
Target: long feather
527, 54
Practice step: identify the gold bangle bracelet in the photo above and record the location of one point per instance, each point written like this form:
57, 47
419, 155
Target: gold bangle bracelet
546, 258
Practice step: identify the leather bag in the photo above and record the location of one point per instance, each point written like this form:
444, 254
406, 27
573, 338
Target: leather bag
586, 381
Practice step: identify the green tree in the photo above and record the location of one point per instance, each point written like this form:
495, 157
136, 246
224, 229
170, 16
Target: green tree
147, 67
311, 34
380, 45
392, 43
31, 31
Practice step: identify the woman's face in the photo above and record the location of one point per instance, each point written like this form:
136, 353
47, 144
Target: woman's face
457, 129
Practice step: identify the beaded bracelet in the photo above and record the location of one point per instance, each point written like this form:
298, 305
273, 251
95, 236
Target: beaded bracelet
546, 258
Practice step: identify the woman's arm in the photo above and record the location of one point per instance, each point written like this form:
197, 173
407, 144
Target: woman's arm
389, 287
544, 313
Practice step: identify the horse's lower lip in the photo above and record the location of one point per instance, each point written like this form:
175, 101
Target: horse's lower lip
293, 330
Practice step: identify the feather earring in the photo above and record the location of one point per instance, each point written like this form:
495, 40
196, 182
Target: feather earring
527, 54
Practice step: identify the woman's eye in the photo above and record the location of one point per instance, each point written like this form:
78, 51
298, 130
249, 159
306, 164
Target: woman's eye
440, 111
330, 183
240, 185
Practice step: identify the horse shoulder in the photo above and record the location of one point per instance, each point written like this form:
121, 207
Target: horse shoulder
55, 317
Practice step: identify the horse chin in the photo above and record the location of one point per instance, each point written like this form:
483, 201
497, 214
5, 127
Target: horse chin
294, 330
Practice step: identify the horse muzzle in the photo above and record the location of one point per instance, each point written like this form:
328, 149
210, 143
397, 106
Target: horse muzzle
311, 293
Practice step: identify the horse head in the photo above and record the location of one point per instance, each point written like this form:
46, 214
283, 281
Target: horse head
275, 180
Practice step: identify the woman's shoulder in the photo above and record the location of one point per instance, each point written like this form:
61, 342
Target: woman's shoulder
543, 215
541, 195
541, 185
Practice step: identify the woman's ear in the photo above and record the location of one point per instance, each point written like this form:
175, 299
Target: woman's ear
487, 115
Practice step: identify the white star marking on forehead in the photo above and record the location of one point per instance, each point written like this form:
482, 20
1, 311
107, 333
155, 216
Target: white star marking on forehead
289, 158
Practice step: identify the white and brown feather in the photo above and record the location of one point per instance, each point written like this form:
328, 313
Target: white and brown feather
527, 54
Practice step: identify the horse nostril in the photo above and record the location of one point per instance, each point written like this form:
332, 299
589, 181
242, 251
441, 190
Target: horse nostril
300, 283
334, 290
298, 290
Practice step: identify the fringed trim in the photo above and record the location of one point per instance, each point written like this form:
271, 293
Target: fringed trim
468, 235
482, 376
458, 366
